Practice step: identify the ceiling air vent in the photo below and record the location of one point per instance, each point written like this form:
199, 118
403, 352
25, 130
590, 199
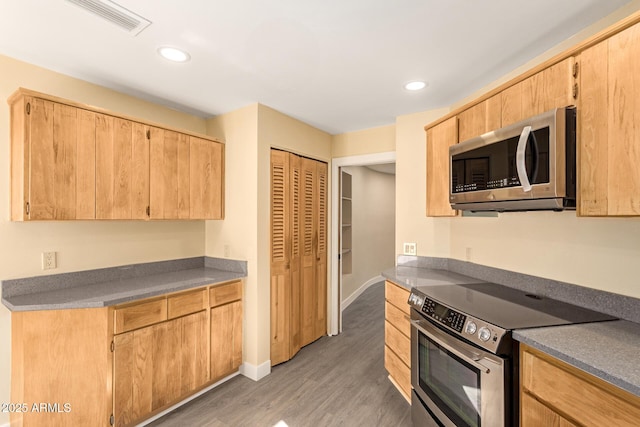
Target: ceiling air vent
114, 13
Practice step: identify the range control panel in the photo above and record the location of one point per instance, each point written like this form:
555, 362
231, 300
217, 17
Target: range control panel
444, 315
481, 333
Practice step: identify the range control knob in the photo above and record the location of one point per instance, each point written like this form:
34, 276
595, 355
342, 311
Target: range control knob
471, 328
484, 334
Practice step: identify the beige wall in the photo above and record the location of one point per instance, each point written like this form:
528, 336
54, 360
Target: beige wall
249, 134
412, 225
373, 226
375, 140
89, 244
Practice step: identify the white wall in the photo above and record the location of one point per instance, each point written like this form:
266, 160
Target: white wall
81, 245
373, 226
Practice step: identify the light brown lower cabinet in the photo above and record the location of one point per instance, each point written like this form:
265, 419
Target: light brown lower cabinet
556, 394
121, 365
397, 338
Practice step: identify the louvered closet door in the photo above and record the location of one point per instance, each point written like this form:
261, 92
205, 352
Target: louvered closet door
309, 241
280, 262
321, 250
296, 247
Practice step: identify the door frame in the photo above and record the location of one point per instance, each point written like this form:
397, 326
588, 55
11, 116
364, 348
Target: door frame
335, 290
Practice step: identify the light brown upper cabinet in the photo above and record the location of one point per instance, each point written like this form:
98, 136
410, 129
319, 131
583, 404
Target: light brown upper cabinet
206, 179
72, 161
550, 88
483, 117
608, 121
52, 160
169, 174
439, 139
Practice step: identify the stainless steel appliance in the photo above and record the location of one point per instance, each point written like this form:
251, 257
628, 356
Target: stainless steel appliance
529, 165
464, 362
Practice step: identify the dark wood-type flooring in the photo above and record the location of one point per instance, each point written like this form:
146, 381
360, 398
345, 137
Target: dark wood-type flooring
335, 381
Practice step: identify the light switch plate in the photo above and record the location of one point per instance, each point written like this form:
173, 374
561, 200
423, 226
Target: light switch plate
410, 249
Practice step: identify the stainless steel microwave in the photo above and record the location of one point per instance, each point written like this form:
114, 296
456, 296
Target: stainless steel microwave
530, 165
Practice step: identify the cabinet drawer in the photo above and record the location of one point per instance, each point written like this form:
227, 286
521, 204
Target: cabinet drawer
185, 303
141, 314
398, 342
397, 296
571, 391
397, 318
400, 372
223, 294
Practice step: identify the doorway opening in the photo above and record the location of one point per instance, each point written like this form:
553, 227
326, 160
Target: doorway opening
362, 227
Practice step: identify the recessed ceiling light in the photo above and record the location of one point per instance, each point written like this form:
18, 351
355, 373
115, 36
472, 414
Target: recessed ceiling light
415, 85
173, 54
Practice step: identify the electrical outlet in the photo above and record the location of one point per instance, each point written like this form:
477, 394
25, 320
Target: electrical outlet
410, 249
48, 260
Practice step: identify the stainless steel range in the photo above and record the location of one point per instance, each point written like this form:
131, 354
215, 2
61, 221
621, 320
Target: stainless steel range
464, 362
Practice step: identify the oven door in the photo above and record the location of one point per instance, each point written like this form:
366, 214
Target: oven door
460, 384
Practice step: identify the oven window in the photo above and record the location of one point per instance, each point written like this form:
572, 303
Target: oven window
450, 382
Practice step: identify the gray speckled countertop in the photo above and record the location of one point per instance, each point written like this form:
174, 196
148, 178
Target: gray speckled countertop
105, 287
409, 277
607, 350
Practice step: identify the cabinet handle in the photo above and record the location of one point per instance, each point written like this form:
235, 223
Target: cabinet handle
28, 108
576, 68
148, 134
575, 91
148, 210
28, 209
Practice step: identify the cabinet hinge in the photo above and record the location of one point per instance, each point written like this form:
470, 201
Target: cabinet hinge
148, 211
576, 68
28, 108
112, 420
113, 346
148, 134
575, 91
28, 209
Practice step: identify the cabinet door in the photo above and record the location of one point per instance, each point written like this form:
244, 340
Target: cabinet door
550, 88
158, 365
609, 111
121, 148
169, 172
59, 168
439, 139
226, 339
482, 117
206, 179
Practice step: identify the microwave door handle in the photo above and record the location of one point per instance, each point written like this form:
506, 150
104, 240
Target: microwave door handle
521, 168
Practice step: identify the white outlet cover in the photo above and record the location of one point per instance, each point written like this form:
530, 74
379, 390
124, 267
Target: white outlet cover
410, 249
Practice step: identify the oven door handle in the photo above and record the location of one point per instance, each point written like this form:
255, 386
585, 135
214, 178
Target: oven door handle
470, 357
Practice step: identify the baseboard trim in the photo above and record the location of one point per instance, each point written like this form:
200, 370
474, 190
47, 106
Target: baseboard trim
179, 404
360, 290
254, 372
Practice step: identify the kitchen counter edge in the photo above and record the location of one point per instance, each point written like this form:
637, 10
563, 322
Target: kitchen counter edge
119, 285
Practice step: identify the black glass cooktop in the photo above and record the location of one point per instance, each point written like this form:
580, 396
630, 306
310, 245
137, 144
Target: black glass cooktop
510, 308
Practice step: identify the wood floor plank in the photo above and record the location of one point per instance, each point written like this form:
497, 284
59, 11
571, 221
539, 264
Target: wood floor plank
335, 381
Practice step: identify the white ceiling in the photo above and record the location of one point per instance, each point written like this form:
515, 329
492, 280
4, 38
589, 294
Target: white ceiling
336, 64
